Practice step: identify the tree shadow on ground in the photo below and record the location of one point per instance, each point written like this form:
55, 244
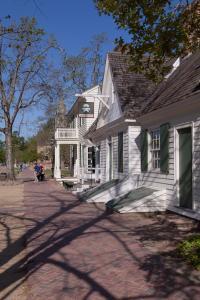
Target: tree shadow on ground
40, 255
165, 270
56, 223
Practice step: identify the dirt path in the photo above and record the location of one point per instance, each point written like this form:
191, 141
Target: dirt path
77, 251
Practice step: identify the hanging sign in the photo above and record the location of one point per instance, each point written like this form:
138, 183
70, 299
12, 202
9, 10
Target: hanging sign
86, 110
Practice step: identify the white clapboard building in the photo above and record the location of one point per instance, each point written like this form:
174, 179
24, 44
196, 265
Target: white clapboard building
81, 151
148, 139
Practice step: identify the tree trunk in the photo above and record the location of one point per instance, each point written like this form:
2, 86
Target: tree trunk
9, 154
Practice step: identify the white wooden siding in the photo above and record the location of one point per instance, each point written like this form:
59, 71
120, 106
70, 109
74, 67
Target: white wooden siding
88, 121
131, 154
115, 157
103, 158
116, 174
154, 178
134, 163
196, 165
114, 112
169, 181
126, 159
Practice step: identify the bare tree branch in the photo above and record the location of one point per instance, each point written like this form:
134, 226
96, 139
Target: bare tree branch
23, 60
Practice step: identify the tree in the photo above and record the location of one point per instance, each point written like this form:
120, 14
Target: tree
158, 30
85, 69
46, 133
78, 73
18, 146
2, 152
23, 72
30, 153
24, 150
97, 58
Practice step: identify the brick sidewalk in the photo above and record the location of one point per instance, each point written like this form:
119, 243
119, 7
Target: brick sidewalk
12, 228
77, 251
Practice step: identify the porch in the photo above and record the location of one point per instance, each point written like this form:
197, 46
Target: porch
81, 163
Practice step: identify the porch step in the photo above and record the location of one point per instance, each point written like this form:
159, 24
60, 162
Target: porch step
67, 179
110, 190
92, 192
142, 199
80, 189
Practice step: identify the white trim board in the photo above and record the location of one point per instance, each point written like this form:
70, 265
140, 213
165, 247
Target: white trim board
186, 213
176, 158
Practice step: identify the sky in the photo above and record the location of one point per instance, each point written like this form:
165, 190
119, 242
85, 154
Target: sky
72, 22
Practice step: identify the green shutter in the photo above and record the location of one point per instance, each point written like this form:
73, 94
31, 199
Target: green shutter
164, 148
144, 151
120, 152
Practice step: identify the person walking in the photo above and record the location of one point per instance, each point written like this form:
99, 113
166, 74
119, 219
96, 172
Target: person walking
36, 172
21, 167
42, 174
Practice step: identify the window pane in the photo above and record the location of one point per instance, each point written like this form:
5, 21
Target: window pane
155, 148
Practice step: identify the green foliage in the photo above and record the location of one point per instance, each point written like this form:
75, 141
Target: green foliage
46, 133
2, 152
65, 173
158, 30
24, 151
18, 144
30, 154
190, 250
48, 173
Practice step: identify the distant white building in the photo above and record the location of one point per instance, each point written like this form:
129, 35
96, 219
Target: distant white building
82, 151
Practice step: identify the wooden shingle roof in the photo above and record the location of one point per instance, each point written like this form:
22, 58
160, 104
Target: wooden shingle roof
181, 85
132, 88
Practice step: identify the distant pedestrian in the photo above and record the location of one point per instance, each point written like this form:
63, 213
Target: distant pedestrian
21, 167
36, 172
41, 177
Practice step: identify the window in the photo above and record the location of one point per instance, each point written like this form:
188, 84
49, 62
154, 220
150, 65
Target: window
120, 152
91, 159
98, 155
81, 121
155, 148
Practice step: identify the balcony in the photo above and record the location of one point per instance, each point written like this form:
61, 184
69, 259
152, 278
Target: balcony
66, 134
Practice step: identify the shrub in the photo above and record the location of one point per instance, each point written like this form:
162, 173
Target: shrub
190, 250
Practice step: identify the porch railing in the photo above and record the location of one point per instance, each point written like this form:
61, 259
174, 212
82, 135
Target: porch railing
66, 133
90, 173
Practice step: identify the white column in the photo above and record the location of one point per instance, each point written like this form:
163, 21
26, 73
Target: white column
78, 162
97, 166
57, 171
76, 124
